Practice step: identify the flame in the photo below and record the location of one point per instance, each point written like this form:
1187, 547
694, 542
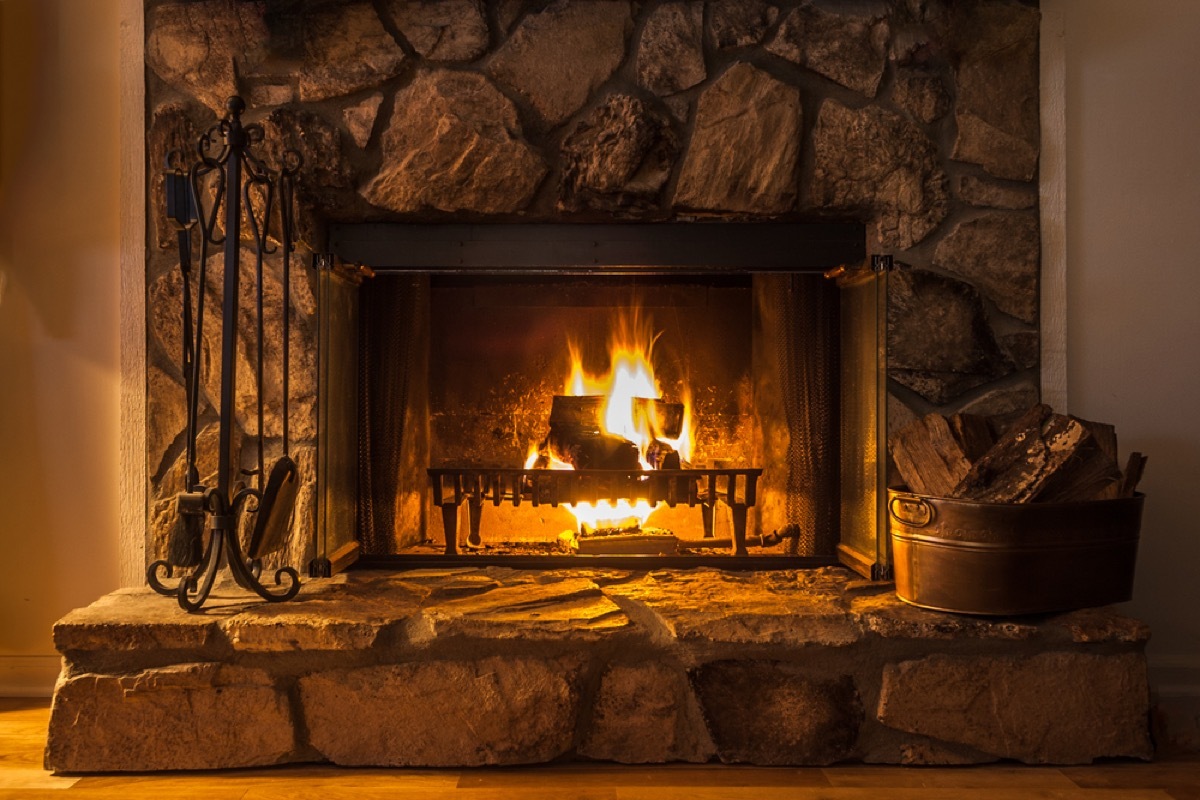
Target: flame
603, 514
630, 375
621, 515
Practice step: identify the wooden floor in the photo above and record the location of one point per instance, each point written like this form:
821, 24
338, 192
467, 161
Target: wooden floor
23, 737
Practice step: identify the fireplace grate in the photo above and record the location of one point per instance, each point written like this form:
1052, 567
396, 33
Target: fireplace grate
451, 487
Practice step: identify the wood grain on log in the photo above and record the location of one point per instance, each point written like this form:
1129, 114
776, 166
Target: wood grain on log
1090, 472
929, 456
973, 433
1133, 474
1011, 472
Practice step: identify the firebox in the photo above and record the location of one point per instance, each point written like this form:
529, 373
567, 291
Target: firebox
559, 395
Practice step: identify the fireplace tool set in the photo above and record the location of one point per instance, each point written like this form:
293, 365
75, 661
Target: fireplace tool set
206, 536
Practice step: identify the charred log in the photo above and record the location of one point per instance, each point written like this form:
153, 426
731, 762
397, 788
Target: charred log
585, 448
660, 455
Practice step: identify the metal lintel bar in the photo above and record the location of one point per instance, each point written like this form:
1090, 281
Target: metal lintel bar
647, 248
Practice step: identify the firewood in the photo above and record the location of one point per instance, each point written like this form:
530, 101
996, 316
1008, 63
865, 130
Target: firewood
661, 455
1082, 469
929, 456
1105, 437
584, 449
1039, 457
1133, 474
973, 434
1012, 471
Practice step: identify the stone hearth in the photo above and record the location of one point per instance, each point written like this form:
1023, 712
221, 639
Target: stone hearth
495, 666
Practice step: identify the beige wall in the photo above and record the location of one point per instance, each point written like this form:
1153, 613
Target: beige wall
1132, 294
59, 318
1133, 284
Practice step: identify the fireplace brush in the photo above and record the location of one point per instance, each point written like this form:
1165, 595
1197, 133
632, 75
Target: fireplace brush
225, 153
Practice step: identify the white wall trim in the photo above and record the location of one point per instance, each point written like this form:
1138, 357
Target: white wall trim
133, 295
28, 676
1052, 189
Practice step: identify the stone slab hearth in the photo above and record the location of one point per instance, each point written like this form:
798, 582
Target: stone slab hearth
466, 667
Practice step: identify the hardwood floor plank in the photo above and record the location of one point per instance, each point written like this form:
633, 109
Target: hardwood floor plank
316, 776
32, 777
883, 793
23, 723
572, 775
1173, 773
118, 793
296, 791
976, 777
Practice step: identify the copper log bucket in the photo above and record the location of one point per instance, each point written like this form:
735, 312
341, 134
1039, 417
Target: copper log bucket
1002, 559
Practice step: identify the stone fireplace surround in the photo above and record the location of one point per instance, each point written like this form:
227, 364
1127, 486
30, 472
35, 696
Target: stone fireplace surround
917, 116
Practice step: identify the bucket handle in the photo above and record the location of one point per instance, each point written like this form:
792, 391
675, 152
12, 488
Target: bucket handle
911, 511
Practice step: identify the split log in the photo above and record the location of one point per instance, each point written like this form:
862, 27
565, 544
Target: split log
1133, 474
1014, 469
658, 416
973, 434
929, 456
936, 452
1088, 472
1105, 437
1040, 457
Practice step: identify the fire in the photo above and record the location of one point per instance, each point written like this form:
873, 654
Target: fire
589, 516
630, 377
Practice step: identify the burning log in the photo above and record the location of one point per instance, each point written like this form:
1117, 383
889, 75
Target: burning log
1042, 457
570, 411
663, 418
661, 455
584, 449
615, 527
576, 436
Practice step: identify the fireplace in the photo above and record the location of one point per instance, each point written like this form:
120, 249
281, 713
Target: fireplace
681, 121
451, 413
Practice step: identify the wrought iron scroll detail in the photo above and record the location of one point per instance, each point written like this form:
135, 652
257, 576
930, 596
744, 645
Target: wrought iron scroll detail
228, 177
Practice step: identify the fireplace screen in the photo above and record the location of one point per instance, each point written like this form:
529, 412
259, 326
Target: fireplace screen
549, 395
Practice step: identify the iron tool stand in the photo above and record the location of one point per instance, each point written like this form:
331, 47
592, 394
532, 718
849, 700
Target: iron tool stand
225, 151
